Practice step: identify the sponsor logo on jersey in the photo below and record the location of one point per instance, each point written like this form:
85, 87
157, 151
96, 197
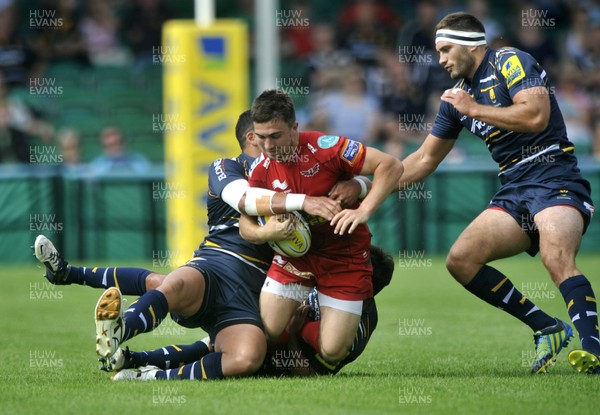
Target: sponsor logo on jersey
310, 172
311, 148
327, 141
219, 166
480, 128
279, 185
302, 274
513, 70
564, 194
350, 151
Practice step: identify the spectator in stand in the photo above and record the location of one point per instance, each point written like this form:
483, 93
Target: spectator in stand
592, 80
16, 59
19, 124
143, 28
326, 62
367, 27
583, 53
296, 30
403, 106
493, 29
115, 157
576, 42
348, 111
417, 39
533, 40
69, 141
59, 38
577, 109
100, 32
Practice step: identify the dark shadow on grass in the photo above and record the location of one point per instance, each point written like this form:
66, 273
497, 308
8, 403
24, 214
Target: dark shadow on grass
491, 372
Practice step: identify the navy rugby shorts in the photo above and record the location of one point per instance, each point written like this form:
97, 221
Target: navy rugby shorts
530, 189
228, 300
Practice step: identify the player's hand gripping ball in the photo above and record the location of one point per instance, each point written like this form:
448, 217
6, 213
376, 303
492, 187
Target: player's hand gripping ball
298, 244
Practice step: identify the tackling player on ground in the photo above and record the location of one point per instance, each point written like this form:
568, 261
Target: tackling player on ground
544, 204
297, 343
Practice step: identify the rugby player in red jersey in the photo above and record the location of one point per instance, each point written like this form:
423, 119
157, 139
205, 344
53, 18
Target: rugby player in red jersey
338, 265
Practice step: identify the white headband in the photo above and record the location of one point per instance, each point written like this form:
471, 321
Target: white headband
460, 38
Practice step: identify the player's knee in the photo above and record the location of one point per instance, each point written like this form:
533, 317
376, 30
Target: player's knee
455, 262
243, 362
333, 353
461, 267
153, 281
560, 265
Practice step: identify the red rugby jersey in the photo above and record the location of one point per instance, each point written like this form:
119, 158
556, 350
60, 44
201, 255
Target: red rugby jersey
313, 167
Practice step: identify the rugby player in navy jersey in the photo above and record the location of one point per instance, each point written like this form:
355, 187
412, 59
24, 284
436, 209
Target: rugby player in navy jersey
544, 205
216, 290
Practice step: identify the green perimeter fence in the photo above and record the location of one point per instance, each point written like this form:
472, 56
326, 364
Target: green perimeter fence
123, 217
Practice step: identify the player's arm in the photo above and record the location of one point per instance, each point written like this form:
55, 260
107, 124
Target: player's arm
257, 201
529, 113
386, 171
425, 160
277, 228
293, 328
347, 192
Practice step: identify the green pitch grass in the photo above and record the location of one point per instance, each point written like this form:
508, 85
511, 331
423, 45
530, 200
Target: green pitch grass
437, 350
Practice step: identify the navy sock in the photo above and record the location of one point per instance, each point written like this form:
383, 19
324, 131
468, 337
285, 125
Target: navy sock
581, 306
131, 281
145, 314
209, 367
171, 356
495, 288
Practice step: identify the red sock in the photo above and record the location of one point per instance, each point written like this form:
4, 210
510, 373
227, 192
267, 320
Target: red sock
310, 334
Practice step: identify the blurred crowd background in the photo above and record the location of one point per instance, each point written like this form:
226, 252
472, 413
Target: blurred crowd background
82, 79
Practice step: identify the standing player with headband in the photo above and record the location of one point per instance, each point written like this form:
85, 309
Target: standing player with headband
543, 204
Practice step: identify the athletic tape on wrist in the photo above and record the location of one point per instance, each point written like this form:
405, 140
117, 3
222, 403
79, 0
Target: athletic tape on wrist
363, 187
294, 201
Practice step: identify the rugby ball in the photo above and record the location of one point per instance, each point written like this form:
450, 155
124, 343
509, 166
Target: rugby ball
298, 244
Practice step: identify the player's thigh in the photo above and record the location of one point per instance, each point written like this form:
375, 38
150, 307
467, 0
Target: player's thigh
275, 312
244, 348
337, 332
560, 229
494, 234
278, 302
184, 290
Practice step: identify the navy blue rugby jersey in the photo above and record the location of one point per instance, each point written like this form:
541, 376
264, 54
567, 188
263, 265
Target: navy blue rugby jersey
500, 76
223, 220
